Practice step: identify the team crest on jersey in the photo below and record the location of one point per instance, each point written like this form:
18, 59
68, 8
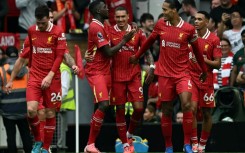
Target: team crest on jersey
100, 94
181, 35
206, 47
50, 40
100, 36
133, 39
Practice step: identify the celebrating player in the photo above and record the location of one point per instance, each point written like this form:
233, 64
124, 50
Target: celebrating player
203, 92
172, 68
98, 70
126, 77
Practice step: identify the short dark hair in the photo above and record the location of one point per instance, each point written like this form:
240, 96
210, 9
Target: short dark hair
243, 31
227, 40
174, 4
189, 2
160, 16
93, 6
206, 14
42, 11
121, 8
146, 16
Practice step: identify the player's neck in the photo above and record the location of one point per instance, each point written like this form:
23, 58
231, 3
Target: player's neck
123, 28
202, 32
175, 21
99, 18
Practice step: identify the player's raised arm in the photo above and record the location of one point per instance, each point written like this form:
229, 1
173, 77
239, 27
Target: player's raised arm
146, 45
111, 51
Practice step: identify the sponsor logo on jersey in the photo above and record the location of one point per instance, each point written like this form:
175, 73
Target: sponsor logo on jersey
170, 44
62, 37
42, 50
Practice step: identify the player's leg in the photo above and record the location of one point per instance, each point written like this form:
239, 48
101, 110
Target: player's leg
52, 102
118, 98
166, 93
100, 85
184, 90
42, 117
49, 127
194, 104
135, 95
33, 95
207, 104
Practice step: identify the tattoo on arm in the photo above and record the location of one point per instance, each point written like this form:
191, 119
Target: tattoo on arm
69, 60
149, 57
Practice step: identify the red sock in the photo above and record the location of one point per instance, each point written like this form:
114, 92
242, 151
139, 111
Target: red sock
95, 125
194, 139
49, 130
166, 124
42, 124
135, 120
204, 138
187, 126
35, 127
121, 125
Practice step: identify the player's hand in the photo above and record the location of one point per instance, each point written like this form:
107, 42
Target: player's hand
133, 60
150, 76
75, 69
203, 77
8, 87
88, 57
135, 26
46, 82
129, 35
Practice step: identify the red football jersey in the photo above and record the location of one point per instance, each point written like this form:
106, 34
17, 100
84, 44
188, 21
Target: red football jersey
209, 44
173, 58
113, 4
122, 70
47, 50
26, 49
97, 38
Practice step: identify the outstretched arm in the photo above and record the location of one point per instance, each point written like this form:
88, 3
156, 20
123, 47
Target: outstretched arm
110, 51
17, 67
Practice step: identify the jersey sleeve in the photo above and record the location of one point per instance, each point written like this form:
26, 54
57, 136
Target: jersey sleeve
99, 37
193, 35
61, 42
217, 48
24, 53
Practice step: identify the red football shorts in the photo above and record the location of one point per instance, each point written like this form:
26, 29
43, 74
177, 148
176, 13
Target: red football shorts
204, 97
51, 96
101, 86
40, 104
126, 91
169, 87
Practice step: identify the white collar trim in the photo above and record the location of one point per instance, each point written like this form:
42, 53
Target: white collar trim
49, 28
98, 22
206, 34
117, 28
179, 25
